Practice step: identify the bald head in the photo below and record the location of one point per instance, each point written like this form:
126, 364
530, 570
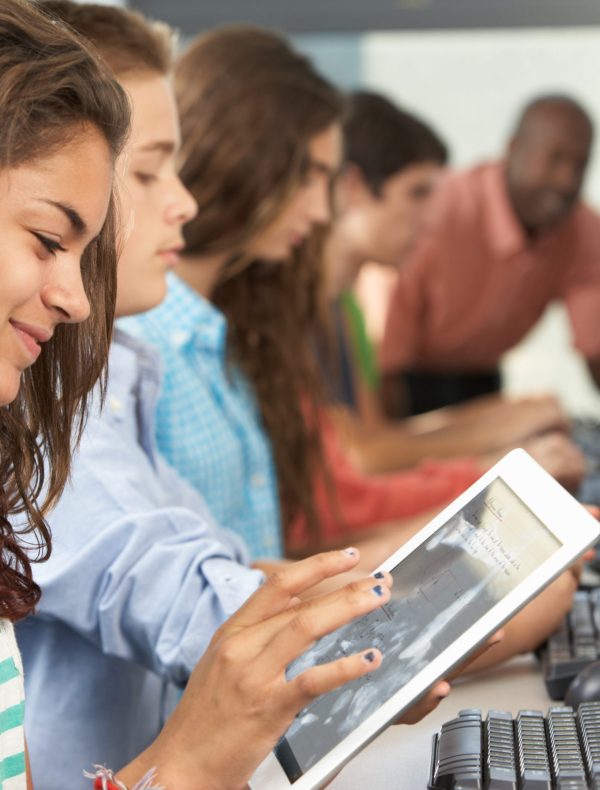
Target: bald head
546, 162
553, 107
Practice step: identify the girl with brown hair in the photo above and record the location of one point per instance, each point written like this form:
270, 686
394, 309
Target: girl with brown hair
61, 117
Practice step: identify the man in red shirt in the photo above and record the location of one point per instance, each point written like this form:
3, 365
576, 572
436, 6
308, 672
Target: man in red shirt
505, 240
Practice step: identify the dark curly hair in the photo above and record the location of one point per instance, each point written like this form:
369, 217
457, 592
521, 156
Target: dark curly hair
50, 86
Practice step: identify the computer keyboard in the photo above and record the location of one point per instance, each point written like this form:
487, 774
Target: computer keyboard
529, 752
586, 434
574, 645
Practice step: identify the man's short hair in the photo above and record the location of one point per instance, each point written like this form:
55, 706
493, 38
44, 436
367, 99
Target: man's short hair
382, 139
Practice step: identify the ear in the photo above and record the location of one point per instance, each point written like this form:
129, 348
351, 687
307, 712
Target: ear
511, 147
351, 186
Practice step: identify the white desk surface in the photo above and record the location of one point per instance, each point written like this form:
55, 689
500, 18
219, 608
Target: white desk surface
399, 758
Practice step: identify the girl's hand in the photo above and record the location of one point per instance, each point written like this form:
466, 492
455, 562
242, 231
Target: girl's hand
238, 701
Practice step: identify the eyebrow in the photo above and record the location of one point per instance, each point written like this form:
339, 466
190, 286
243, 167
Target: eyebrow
164, 146
76, 220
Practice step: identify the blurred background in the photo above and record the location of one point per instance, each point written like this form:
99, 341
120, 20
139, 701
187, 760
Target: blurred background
466, 66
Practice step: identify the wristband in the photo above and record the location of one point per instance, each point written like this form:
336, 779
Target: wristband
104, 779
106, 784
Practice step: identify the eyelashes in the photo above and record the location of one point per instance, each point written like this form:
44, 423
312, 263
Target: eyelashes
51, 245
145, 178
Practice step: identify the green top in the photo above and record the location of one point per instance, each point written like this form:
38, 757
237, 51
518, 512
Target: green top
364, 358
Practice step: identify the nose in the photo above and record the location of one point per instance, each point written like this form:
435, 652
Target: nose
182, 206
64, 294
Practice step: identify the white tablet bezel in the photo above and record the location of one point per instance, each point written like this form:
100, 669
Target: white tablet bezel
572, 525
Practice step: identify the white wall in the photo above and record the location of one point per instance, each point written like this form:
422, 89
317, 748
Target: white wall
470, 85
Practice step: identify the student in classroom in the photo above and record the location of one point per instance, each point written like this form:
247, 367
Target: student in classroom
113, 569
384, 194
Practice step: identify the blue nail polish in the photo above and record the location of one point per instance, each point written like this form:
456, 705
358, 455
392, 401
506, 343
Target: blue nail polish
378, 575
378, 590
351, 552
369, 657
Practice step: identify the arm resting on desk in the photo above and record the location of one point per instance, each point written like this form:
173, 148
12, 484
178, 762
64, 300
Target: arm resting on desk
533, 624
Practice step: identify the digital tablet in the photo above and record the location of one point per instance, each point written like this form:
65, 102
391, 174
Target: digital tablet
455, 583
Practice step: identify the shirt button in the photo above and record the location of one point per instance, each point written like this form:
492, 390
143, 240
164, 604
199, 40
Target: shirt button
115, 404
258, 480
179, 338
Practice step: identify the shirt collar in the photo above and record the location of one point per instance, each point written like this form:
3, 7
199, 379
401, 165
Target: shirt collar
506, 234
192, 318
131, 360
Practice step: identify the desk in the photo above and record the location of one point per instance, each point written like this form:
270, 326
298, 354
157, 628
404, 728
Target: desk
399, 758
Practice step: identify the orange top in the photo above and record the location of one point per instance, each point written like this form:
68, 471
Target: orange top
361, 502
476, 284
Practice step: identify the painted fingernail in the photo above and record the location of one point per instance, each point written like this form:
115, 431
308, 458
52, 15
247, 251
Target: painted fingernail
350, 552
369, 657
378, 575
378, 590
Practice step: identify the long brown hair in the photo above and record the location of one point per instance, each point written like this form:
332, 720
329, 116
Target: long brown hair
50, 88
249, 106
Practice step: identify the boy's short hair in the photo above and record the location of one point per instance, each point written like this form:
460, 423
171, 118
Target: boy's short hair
382, 139
127, 41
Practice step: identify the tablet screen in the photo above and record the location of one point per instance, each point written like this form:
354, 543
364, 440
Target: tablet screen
441, 589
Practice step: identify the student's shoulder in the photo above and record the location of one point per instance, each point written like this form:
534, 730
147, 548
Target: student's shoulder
461, 195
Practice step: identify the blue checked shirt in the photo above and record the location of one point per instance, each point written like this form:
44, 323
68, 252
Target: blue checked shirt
139, 579
208, 425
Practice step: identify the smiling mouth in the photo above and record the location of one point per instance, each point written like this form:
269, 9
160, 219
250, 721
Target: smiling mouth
31, 338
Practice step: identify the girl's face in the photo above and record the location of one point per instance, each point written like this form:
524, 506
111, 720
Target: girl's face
309, 206
50, 210
154, 203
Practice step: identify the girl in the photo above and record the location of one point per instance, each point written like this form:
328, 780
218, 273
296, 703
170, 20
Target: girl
61, 117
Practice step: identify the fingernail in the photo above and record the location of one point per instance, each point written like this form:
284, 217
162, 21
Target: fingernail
369, 657
350, 552
378, 575
378, 590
